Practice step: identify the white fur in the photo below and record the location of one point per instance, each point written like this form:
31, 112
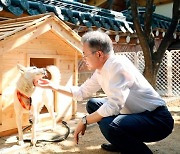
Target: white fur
39, 96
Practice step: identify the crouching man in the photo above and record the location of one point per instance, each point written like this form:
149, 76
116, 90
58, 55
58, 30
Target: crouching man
132, 113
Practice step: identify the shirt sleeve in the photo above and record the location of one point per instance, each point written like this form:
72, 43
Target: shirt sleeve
120, 81
89, 87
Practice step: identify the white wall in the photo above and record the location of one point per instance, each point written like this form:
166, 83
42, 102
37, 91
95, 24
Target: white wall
165, 10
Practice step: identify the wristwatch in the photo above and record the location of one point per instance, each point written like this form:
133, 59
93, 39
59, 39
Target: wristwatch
84, 120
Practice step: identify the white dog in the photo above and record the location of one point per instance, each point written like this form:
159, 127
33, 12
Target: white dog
29, 98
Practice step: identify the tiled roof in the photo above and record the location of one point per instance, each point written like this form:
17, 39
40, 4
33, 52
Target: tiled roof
72, 12
158, 21
80, 14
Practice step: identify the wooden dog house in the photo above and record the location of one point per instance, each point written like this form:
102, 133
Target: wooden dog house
36, 40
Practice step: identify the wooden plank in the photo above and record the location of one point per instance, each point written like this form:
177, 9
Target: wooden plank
61, 57
1, 34
67, 28
45, 45
0, 109
17, 24
11, 68
67, 65
56, 62
76, 69
38, 50
67, 35
11, 62
6, 30
35, 22
8, 119
8, 132
16, 53
23, 37
26, 18
40, 56
8, 14
65, 32
61, 46
96, 2
48, 35
74, 103
169, 74
32, 46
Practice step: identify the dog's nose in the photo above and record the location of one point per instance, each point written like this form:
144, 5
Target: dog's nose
31, 121
45, 71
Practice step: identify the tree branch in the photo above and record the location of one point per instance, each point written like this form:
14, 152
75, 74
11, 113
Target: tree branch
148, 23
148, 17
142, 38
169, 34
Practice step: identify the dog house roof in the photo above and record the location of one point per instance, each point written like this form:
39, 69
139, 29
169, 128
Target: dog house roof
14, 31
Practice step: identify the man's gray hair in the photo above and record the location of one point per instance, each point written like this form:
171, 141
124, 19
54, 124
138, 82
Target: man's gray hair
98, 40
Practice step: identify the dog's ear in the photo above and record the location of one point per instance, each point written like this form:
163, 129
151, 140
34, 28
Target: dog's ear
21, 68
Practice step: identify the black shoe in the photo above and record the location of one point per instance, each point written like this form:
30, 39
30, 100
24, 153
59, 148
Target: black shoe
109, 147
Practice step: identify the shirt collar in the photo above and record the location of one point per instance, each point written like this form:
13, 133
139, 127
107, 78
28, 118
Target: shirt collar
106, 64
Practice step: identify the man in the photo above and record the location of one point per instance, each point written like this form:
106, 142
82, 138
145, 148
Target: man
133, 111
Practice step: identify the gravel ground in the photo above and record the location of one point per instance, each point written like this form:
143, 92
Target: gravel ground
91, 142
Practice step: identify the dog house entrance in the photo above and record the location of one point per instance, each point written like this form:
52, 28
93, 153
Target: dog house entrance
42, 63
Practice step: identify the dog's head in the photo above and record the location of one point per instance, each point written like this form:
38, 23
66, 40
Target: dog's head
29, 75
32, 73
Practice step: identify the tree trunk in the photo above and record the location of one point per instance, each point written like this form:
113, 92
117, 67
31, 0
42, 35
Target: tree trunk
150, 75
153, 59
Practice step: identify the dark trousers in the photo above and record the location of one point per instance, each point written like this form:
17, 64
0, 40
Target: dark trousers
128, 131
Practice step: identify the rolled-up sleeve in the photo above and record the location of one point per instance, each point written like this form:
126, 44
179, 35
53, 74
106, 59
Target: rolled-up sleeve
108, 109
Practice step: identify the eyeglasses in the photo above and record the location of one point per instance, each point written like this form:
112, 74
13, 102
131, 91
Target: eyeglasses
85, 56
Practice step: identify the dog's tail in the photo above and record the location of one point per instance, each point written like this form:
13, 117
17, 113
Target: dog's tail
55, 73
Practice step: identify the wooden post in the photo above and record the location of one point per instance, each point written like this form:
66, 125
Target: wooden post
169, 73
0, 109
1, 93
56, 62
136, 59
74, 105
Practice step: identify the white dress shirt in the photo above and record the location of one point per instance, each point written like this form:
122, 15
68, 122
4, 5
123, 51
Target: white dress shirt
126, 88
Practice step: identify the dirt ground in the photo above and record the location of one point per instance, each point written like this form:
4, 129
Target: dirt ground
91, 142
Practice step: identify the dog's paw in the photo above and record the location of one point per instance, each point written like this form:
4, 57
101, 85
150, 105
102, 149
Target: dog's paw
21, 143
33, 142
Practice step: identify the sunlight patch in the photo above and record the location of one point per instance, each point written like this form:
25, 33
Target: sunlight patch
93, 147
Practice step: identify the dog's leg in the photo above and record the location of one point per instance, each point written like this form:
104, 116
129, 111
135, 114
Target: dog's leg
34, 126
19, 115
52, 114
49, 103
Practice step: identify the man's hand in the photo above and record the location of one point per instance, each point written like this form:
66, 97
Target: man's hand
81, 128
45, 83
